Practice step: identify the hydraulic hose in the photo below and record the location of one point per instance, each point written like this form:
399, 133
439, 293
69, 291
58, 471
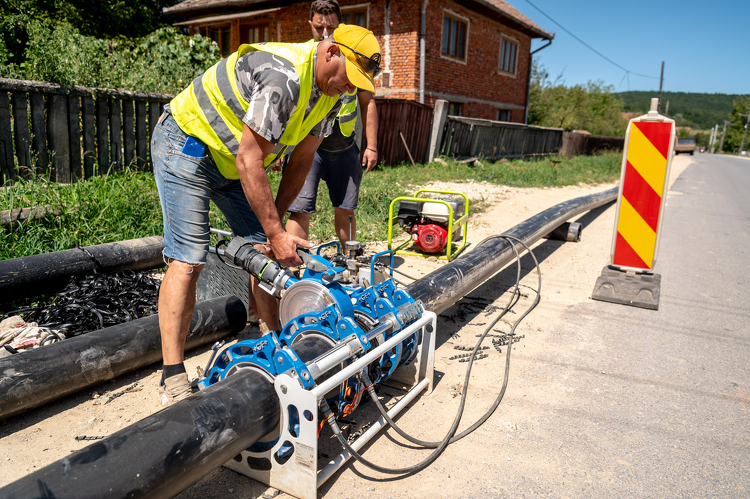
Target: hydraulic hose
501, 394
450, 436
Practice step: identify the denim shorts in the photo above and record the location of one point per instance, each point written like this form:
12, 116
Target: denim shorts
186, 184
342, 172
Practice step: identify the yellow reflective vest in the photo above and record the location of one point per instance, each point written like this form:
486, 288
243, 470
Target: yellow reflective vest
211, 108
348, 113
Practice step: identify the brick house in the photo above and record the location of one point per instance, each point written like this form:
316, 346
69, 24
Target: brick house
476, 52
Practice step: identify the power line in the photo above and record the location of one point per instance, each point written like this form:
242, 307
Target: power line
627, 71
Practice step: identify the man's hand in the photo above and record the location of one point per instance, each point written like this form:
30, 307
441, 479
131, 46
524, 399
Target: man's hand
283, 248
369, 160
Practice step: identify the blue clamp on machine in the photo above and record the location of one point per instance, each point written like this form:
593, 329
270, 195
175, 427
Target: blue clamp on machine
372, 330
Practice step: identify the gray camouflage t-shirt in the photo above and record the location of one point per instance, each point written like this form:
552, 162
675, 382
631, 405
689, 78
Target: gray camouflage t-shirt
271, 85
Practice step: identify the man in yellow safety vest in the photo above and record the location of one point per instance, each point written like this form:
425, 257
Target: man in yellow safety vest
337, 158
215, 142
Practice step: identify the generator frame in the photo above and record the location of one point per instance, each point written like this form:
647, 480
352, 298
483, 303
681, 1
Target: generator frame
450, 252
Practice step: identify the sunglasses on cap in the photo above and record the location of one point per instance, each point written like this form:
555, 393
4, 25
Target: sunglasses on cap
369, 64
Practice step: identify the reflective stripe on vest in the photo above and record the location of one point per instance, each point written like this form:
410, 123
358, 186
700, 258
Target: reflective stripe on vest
348, 114
211, 108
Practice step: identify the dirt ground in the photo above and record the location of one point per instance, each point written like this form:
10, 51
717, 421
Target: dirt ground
569, 271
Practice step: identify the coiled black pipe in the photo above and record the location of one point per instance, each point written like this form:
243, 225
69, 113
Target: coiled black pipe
50, 272
234, 414
42, 375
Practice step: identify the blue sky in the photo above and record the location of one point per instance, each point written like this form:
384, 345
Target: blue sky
705, 46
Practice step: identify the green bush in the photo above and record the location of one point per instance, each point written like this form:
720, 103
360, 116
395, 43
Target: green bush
591, 107
165, 61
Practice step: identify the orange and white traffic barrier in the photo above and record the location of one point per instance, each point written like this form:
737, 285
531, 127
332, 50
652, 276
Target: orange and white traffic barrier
649, 147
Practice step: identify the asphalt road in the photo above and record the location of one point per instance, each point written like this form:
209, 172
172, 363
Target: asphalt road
661, 398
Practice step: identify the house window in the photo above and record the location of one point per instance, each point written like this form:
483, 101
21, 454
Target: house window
454, 109
454, 37
255, 33
503, 115
508, 53
355, 15
221, 34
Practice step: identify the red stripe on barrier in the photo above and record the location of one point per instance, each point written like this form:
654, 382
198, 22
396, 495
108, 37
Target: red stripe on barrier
641, 196
626, 256
656, 133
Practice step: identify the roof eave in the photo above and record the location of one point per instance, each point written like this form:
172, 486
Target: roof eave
179, 9
520, 25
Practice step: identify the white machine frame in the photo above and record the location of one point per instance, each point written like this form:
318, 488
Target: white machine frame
299, 475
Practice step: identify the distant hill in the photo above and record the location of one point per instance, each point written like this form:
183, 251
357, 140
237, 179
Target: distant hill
699, 111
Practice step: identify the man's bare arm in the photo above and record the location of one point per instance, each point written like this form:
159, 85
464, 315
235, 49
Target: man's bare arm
370, 121
252, 151
296, 172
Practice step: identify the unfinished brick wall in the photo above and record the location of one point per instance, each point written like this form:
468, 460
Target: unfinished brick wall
479, 76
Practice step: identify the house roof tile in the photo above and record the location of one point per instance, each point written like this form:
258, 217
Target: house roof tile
489, 7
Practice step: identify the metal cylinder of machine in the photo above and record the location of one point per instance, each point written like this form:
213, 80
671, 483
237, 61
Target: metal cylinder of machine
446, 285
38, 376
49, 272
165, 453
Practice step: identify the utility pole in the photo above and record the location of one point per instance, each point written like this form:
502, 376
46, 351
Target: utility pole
723, 133
711, 140
666, 109
744, 134
661, 81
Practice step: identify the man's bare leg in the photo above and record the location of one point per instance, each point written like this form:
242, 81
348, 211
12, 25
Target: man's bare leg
268, 306
298, 224
341, 222
176, 304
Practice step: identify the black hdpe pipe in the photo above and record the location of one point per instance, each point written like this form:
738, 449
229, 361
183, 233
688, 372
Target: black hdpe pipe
448, 284
107, 467
38, 376
50, 272
165, 453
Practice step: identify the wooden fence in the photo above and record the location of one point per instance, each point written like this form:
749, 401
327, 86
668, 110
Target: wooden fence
471, 137
399, 121
74, 132
575, 144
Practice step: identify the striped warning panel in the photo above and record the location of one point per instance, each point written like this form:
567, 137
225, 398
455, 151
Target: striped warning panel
647, 153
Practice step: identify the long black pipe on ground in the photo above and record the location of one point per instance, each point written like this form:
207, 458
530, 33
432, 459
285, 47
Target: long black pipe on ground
42, 375
129, 465
448, 284
50, 272
165, 453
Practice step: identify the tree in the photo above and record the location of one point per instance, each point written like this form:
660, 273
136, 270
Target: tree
165, 61
590, 107
130, 19
736, 125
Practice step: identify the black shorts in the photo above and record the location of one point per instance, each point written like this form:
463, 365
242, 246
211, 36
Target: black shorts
342, 173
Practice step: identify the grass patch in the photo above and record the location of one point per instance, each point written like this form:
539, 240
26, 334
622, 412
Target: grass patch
99, 210
126, 206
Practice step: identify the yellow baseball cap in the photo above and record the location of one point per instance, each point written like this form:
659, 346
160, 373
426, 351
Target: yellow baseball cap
362, 52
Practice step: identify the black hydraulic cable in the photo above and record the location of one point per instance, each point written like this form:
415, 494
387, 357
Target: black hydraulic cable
454, 427
500, 396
